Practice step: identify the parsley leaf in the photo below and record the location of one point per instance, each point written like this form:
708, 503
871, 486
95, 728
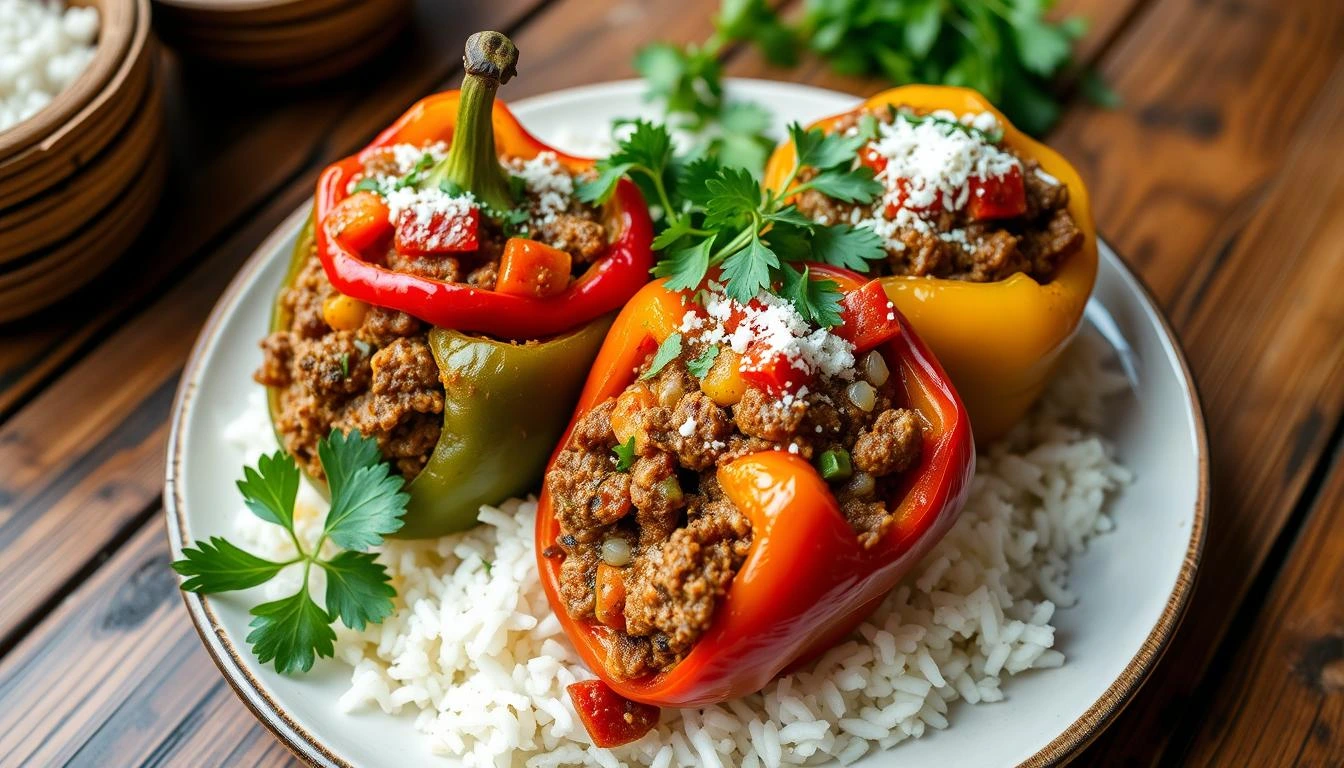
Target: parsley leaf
367, 504
818, 301
850, 186
218, 566
685, 268
667, 352
843, 245
292, 631
818, 149
625, 455
747, 272
699, 367
733, 197
366, 501
270, 489
358, 589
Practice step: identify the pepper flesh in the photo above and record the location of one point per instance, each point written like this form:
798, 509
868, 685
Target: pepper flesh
605, 286
492, 447
998, 341
806, 580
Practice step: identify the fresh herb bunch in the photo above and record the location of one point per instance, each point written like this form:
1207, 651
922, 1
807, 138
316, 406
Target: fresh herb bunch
714, 216
367, 503
688, 81
1006, 49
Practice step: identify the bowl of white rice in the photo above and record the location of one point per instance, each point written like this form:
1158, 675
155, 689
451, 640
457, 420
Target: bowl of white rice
1015, 641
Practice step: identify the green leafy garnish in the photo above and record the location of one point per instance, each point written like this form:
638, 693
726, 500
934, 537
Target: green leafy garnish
367, 503
417, 172
667, 352
625, 455
699, 367
370, 184
1006, 49
719, 216
345, 365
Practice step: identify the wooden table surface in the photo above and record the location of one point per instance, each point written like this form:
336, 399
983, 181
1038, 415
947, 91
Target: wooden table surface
1220, 179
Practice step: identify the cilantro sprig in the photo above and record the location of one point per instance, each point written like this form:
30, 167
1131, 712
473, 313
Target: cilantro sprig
367, 503
719, 216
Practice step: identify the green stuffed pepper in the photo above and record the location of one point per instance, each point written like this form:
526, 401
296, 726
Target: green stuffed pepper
448, 297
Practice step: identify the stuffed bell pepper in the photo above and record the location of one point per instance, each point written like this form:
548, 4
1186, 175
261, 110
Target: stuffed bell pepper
739, 489
989, 244
448, 298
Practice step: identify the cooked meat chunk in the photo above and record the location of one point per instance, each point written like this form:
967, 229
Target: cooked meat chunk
584, 238
891, 444
700, 429
759, 415
588, 495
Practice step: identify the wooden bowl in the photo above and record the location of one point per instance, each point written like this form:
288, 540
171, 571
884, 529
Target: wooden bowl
281, 42
79, 179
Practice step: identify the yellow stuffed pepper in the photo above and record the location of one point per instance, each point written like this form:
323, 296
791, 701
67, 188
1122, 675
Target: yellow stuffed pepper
991, 252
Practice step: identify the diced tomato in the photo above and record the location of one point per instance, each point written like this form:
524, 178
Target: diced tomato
998, 197
439, 233
871, 158
359, 221
611, 719
530, 268
772, 372
868, 318
609, 607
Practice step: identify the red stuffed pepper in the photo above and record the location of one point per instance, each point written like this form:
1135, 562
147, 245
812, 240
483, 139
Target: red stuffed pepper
448, 299
385, 237
738, 490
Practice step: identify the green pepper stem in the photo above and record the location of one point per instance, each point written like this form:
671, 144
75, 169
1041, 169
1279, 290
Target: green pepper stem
472, 164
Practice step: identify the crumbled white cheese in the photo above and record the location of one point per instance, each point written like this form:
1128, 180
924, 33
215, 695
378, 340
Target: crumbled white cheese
930, 166
1047, 178
43, 48
775, 324
687, 427
545, 178
405, 157
933, 161
413, 210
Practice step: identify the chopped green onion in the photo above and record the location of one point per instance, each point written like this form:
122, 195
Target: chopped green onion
670, 489
834, 464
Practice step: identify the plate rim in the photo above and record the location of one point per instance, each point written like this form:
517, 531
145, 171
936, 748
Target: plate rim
1072, 740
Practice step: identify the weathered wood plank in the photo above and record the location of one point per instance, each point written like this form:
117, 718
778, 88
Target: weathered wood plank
1282, 702
114, 641
1263, 340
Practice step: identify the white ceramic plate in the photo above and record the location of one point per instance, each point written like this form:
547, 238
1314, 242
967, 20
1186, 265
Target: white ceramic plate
1134, 582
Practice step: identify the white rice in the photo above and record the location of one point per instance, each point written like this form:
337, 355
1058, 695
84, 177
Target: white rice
474, 650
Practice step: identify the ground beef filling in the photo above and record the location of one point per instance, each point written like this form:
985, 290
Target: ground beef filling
381, 377
953, 246
685, 539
